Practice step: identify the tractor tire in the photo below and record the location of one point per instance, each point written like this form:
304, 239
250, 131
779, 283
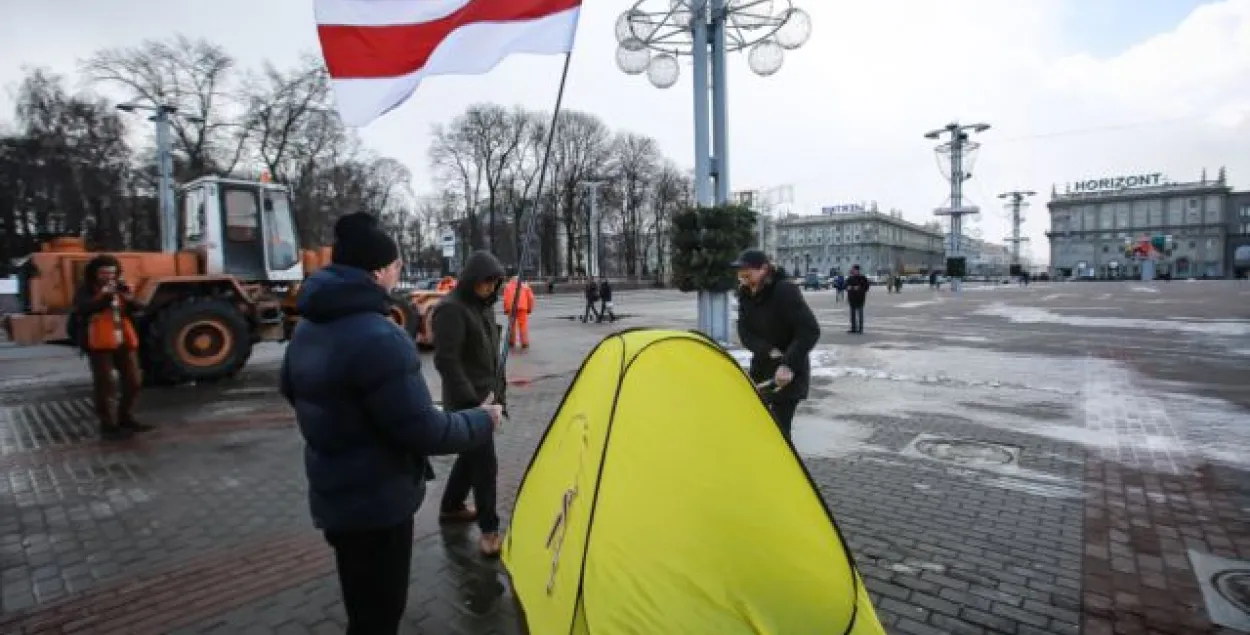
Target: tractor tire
196, 340
405, 315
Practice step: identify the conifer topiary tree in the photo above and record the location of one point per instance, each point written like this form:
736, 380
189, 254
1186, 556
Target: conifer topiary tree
705, 241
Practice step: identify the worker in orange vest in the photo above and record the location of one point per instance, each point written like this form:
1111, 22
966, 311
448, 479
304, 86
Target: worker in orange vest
524, 306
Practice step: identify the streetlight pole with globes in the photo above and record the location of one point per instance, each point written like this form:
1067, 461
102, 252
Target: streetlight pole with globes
653, 34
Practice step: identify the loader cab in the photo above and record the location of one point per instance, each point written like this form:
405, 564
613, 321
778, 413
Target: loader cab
241, 228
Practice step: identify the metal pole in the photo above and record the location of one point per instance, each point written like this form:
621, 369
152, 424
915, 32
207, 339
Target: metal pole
702, 155
164, 158
720, 103
592, 250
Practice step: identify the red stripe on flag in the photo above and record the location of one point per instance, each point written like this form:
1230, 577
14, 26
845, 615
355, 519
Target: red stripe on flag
353, 52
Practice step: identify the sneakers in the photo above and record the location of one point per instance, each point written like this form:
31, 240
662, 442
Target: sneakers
466, 514
136, 426
115, 433
490, 544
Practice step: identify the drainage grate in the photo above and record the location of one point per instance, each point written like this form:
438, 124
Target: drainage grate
967, 452
1225, 588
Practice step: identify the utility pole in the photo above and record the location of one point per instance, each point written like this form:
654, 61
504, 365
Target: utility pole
1017, 204
165, 166
592, 227
958, 148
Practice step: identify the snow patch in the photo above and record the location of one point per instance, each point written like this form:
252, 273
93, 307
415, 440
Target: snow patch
1035, 315
1145, 289
917, 303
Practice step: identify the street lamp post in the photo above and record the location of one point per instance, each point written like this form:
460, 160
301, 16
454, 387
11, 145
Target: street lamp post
1017, 203
653, 34
165, 166
959, 152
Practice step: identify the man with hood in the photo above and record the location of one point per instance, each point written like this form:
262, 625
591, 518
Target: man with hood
777, 326
466, 354
354, 378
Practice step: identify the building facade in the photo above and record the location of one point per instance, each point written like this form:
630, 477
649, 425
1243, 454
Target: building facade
1238, 250
1092, 221
878, 242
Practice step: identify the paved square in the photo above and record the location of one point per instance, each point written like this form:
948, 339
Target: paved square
1062, 458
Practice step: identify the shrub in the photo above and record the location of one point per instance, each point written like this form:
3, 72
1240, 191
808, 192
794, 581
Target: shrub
705, 241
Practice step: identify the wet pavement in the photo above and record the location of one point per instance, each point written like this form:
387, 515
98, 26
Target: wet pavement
1066, 458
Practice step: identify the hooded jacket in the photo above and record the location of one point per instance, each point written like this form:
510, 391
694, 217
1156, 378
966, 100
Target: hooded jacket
466, 337
777, 317
363, 407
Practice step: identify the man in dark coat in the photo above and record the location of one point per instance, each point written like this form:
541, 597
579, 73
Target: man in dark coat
354, 379
777, 326
857, 286
466, 354
591, 291
605, 300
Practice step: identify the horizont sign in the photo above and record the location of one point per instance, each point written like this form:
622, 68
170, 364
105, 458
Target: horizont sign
853, 208
1116, 183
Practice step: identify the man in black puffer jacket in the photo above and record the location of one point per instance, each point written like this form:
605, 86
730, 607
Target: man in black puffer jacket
368, 422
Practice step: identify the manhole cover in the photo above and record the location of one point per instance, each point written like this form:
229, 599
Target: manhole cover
1234, 586
965, 452
1225, 585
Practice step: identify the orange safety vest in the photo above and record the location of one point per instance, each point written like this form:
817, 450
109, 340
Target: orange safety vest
525, 302
111, 329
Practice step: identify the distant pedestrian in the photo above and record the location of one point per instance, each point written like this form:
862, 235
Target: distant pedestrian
466, 354
354, 379
856, 294
524, 306
103, 326
778, 327
839, 285
898, 284
605, 300
591, 291
933, 280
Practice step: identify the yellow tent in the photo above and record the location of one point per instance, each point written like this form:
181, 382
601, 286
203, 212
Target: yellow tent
663, 499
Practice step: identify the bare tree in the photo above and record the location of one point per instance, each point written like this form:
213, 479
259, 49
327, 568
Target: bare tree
192, 75
673, 189
581, 152
636, 159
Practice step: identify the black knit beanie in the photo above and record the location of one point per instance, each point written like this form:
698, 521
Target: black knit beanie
359, 242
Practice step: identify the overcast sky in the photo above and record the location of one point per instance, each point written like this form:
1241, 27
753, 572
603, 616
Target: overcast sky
1074, 89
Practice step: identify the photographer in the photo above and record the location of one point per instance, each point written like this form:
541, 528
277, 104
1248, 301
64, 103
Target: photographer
104, 308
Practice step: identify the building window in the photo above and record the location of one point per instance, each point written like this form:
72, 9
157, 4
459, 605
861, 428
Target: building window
1245, 211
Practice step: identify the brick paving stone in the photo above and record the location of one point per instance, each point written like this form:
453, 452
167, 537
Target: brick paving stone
959, 554
185, 526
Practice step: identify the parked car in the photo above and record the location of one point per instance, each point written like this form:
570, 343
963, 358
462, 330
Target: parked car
815, 282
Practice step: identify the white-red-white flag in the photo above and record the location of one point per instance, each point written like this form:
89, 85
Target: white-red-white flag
378, 51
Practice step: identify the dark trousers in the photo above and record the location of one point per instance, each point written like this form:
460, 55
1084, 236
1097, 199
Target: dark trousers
104, 385
478, 471
783, 413
373, 567
590, 311
857, 317
606, 311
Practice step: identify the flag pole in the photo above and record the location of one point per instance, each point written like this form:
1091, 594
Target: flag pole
532, 222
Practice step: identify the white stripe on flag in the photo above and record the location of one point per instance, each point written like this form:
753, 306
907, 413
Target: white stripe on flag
383, 12
472, 49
